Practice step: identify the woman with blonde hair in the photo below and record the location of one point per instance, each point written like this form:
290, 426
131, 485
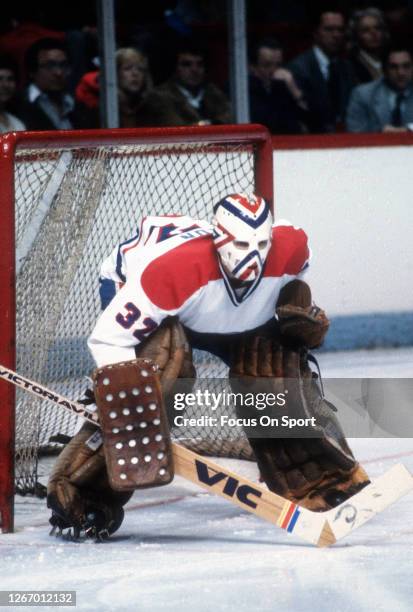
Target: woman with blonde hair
134, 83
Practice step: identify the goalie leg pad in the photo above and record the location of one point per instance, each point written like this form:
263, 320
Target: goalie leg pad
318, 471
303, 473
135, 431
78, 491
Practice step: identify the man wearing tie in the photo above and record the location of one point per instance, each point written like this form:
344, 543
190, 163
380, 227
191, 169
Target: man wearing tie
386, 104
324, 77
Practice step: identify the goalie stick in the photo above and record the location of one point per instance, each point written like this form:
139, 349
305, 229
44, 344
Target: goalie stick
318, 528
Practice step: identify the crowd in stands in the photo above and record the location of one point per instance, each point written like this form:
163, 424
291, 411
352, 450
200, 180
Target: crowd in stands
354, 74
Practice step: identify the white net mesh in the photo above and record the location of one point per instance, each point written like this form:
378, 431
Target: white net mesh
72, 206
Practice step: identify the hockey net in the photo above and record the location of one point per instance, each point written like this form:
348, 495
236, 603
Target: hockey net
75, 199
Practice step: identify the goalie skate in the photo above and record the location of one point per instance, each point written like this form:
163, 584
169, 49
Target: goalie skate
134, 425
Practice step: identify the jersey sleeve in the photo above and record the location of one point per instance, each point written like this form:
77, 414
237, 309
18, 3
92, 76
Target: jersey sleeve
300, 256
111, 277
153, 230
306, 261
290, 254
142, 285
125, 323
113, 271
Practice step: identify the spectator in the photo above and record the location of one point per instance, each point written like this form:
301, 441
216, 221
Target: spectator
368, 38
187, 98
26, 27
275, 99
46, 103
386, 104
87, 100
8, 122
134, 84
323, 76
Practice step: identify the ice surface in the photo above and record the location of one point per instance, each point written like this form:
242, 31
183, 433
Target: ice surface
182, 549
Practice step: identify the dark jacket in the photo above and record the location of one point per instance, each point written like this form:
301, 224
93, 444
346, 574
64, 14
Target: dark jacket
369, 109
275, 108
35, 117
362, 72
309, 78
167, 105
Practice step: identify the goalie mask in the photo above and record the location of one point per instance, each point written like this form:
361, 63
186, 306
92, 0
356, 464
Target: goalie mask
242, 235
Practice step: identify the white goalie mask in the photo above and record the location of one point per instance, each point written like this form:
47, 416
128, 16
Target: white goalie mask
242, 235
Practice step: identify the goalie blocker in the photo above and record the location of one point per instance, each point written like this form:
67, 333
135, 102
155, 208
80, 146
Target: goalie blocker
135, 430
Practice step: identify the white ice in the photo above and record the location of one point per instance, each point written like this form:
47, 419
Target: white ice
182, 549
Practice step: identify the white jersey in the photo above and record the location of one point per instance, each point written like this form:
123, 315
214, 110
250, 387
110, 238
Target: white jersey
171, 269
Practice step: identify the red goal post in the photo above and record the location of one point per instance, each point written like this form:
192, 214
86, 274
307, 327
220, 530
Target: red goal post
35, 152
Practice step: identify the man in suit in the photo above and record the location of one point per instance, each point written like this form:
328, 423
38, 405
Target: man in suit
386, 104
323, 76
187, 98
46, 104
275, 99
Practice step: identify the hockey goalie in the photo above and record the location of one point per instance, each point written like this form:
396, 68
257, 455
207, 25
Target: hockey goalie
236, 288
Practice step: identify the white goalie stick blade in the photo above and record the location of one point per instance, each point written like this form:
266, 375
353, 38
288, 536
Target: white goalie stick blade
376, 497
318, 528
